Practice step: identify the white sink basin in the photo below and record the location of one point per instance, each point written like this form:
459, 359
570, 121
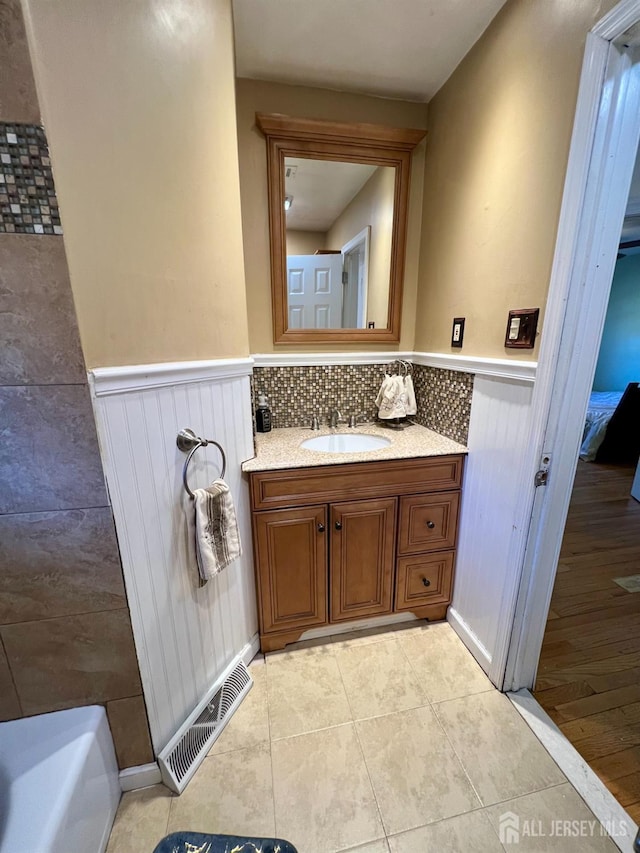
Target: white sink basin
346, 442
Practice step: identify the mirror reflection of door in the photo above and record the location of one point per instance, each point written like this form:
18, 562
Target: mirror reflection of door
314, 291
355, 274
339, 222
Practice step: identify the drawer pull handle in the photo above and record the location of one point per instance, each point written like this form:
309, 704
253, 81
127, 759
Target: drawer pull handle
430, 525
321, 528
338, 525
426, 582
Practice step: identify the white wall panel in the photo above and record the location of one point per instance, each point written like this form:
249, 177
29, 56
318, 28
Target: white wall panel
494, 517
185, 635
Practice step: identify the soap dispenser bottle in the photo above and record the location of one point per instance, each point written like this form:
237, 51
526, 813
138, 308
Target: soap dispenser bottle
263, 414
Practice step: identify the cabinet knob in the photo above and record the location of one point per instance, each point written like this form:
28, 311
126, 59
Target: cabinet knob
338, 525
426, 582
321, 528
430, 525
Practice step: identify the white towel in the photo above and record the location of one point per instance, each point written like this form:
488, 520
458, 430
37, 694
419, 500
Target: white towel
412, 406
217, 539
383, 386
393, 398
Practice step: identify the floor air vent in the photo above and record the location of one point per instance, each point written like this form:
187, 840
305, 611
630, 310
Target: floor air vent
182, 756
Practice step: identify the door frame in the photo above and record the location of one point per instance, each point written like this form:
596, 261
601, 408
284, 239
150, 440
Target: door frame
600, 166
363, 238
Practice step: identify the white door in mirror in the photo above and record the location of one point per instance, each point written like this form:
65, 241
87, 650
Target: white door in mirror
345, 443
314, 290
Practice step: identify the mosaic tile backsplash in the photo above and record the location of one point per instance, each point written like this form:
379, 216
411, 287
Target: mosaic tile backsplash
28, 203
444, 400
297, 393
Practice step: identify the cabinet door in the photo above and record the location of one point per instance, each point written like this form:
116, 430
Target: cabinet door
362, 558
428, 522
291, 564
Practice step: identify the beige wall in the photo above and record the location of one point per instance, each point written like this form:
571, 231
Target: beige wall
499, 133
253, 96
65, 629
304, 242
139, 103
372, 206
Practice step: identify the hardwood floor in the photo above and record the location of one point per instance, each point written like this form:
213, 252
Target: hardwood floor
589, 672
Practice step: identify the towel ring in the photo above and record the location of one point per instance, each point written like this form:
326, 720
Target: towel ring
189, 442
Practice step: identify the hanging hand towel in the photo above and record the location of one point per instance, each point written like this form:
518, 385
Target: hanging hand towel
393, 403
216, 529
383, 387
412, 406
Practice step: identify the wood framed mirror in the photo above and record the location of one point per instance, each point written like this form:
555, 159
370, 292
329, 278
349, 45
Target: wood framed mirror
338, 198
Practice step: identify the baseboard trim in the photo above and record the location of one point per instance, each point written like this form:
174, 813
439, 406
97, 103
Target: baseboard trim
142, 776
250, 650
138, 377
470, 640
592, 790
145, 775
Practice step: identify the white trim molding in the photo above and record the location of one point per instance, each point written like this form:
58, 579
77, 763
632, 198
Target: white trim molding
139, 377
502, 368
310, 359
616, 22
592, 790
142, 776
469, 638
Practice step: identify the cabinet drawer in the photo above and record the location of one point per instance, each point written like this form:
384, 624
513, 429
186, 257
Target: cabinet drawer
424, 579
428, 522
328, 483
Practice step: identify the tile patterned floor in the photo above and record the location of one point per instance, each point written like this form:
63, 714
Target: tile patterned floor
378, 742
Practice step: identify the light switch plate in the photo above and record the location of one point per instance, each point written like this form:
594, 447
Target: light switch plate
457, 332
522, 324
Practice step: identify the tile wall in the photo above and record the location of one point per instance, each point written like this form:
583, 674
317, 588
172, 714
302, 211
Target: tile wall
297, 393
65, 631
444, 400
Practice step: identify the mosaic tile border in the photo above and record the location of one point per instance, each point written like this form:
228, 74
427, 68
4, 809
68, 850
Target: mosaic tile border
28, 202
297, 393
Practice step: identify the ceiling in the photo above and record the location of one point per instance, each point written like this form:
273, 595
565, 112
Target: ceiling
394, 48
321, 190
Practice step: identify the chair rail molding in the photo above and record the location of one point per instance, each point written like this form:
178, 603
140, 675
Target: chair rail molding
138, 377
524, 371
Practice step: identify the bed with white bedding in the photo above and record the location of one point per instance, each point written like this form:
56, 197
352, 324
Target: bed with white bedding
602, 405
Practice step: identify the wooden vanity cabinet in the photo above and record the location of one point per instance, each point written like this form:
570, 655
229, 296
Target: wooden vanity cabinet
339, 543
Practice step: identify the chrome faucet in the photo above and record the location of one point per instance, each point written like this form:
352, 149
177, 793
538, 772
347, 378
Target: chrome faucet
334, 418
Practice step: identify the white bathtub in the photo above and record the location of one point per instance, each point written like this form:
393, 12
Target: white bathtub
59, 786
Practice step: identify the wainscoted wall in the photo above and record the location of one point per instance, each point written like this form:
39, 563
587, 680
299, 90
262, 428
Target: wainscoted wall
299, 391
185, 635
65, 632
493, 519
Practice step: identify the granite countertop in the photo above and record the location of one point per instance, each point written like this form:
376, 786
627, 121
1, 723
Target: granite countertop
280, 448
